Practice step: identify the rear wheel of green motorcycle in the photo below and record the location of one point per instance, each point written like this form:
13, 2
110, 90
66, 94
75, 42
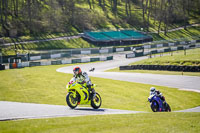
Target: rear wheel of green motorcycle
96, 102
71, 101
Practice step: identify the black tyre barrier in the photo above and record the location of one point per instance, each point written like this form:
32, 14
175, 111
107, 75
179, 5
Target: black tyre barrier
162, 67
125, 68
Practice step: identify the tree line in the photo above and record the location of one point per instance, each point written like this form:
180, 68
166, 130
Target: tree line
47, 16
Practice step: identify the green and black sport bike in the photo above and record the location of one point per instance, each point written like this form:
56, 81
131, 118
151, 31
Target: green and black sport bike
80, 94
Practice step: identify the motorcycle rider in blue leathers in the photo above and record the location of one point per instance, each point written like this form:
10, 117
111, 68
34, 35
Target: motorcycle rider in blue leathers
153, 91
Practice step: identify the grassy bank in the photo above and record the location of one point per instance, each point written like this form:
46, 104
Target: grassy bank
48, 45
192, 58
44, 85
149, 122
186, 34
81, 43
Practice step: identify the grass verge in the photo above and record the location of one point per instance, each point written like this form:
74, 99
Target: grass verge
148, 122
192, 58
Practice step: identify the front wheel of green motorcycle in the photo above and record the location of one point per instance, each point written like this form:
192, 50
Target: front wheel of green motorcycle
71, 101
96, 102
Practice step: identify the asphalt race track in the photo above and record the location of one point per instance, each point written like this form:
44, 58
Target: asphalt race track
174, 81
15, 110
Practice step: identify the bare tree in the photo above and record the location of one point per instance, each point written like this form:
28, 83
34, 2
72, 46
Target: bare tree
89, 2
149, 12
160, 15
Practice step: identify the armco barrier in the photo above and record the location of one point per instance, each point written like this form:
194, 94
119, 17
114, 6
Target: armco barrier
45, 56
110, 50
139, 54
103, 51
76, 51
94, 59
167, 50
131, 55
65, 55
68, 61
162, 67
173, 45
103, 58
35, 58
57, 62
84, 60
53, 56
119, 49
76, 61
94, 51
2, 67
110, 58
45, 63
34, 64
127, 48
86, 52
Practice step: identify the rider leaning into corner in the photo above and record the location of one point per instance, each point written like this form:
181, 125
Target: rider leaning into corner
82, 77
153, 91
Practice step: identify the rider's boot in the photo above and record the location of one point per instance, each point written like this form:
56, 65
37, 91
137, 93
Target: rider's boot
93, 91
93, 94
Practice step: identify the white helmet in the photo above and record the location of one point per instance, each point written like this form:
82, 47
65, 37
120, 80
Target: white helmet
152, 90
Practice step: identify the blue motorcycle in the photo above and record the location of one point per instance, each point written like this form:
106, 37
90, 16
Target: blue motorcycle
157, 104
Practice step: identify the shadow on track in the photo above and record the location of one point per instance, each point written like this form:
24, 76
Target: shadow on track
90, 109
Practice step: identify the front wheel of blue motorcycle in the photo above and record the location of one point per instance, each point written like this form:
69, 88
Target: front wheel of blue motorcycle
96, 102
154, 106
71, 101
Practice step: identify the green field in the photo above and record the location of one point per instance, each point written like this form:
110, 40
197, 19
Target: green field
44, 85
188, 34
144, 123
48, 45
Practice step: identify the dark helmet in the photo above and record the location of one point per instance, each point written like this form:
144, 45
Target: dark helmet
77, 69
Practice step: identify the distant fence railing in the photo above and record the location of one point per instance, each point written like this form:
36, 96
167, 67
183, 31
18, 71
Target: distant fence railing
153, 48
161, 48
58, 62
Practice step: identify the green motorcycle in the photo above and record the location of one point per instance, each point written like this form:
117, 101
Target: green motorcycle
80, 94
